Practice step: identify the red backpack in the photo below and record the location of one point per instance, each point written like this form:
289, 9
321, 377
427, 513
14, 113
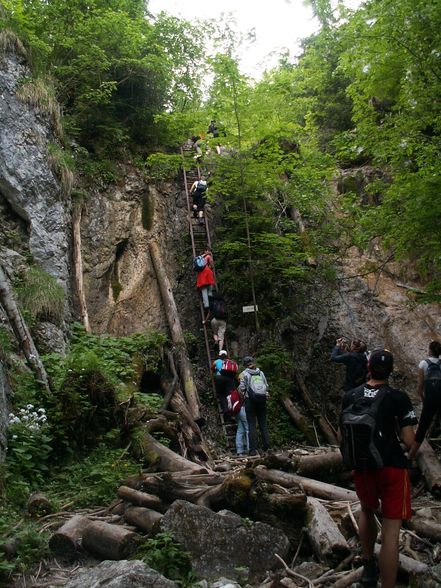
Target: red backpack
234, 402
229, 368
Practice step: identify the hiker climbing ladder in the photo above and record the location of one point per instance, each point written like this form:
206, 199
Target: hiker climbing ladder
200, 239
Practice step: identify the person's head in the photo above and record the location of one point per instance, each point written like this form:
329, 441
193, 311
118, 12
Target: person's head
435, 348
380, 364
203, 178
222, 354
358, 346
248, 361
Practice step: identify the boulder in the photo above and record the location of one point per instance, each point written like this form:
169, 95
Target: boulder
224, 544
120, 574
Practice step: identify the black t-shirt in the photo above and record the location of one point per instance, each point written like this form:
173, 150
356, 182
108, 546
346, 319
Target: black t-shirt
394, 413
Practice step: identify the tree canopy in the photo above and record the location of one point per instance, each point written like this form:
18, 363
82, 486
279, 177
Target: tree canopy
363, 92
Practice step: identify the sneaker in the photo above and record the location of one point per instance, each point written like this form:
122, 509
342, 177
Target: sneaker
370, 573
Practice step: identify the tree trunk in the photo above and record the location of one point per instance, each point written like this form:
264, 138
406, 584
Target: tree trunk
168, 394
141, 498
143, 518
67, 540
164, 458
38, 505
430, 467
299, 420
407, 564
426, 528
177, 334
21, 330
109, 541
326, 540
78, 266
323, 423
320, 465
311, 487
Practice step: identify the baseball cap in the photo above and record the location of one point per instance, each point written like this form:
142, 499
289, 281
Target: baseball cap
382, 358
222, 353
248, 360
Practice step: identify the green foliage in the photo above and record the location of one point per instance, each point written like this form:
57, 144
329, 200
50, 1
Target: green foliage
30, 543
162, 166
114, 68
164, 554
40, 295
29, 446
62, 163
94, 479
396, 83
6, 342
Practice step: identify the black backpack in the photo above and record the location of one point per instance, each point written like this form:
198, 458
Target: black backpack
358, 428
201, 186
218, 308
432, 378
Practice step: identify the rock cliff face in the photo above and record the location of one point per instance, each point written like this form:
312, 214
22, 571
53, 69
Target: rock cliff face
30, 193
119, 221
117, 225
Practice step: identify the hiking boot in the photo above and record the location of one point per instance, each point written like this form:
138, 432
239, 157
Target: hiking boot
370, 573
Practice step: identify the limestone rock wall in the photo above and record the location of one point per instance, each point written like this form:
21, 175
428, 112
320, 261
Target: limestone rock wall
117, 225
30, 193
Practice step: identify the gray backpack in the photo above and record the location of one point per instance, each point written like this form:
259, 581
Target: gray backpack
257, 388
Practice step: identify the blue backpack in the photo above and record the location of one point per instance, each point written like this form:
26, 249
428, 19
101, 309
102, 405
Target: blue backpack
199, 262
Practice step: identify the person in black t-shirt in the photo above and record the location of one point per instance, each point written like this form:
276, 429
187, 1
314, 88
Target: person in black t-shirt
389, 484
354, 359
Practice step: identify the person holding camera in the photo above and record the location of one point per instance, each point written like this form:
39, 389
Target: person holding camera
353, 356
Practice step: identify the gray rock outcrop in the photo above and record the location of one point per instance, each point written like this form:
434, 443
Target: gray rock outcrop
120, 574
27, 181
224, 544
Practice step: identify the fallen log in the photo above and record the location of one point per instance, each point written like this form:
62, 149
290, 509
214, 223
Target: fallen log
430, 467
78, 265
349, 579
109, 541
157, 454
325, 428
426, 528
141, 498
38, 505
176, 331
407, 564
320, 464
67, 540
168, 392
326, 539
143, 518
299, 420
21, 331
311, 487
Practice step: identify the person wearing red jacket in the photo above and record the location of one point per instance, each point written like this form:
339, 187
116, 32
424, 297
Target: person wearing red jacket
205, 280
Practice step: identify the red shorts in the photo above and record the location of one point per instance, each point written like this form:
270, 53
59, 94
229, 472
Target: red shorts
390, 485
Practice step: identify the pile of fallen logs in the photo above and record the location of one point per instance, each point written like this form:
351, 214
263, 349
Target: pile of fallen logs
280, 489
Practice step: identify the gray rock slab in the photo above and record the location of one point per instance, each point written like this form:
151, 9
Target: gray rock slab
120, 574
223, 544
